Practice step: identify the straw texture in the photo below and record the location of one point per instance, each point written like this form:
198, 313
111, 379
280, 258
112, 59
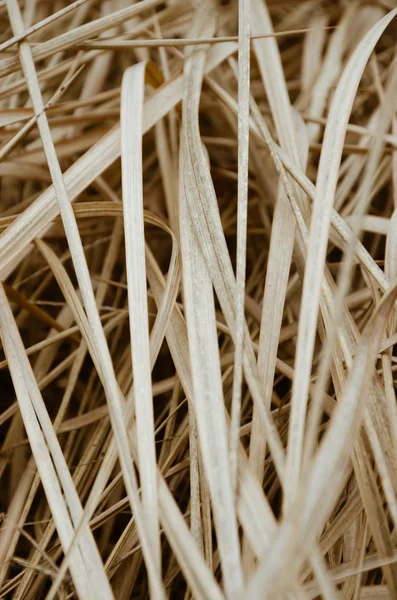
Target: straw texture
198, 262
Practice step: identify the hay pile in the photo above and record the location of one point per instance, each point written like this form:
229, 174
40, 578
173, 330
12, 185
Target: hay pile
198, 250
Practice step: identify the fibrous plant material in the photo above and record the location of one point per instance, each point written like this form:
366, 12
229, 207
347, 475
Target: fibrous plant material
198, 299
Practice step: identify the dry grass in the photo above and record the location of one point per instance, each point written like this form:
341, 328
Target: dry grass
198, 250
